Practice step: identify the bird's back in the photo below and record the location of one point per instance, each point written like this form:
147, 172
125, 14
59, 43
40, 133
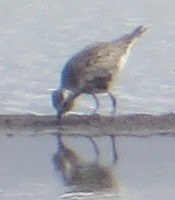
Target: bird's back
93, 61
103, 59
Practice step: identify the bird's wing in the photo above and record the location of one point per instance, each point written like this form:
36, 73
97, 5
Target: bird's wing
91, 62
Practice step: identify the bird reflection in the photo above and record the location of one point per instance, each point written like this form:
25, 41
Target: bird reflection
81, 175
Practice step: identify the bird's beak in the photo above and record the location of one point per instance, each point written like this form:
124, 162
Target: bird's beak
59, 116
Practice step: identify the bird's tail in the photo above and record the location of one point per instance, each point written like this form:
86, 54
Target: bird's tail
130, 38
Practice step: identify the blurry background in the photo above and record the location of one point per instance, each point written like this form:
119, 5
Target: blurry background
38, 37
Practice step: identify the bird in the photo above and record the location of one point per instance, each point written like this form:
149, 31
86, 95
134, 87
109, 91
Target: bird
92, 71
81, 175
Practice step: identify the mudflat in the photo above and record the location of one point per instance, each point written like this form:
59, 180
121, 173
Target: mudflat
139, 125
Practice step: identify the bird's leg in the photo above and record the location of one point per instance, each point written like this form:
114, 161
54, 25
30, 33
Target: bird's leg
97, 104
95, 147
114, 103
114, 148
112, 136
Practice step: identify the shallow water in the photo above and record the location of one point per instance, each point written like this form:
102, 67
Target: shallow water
37, 38
145, 169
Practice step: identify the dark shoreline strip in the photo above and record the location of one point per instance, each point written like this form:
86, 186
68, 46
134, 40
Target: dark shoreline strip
139, 125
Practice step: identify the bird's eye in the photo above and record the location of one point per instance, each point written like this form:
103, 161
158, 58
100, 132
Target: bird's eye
66, 94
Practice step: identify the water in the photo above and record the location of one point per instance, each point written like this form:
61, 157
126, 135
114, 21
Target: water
38, 37
145, 169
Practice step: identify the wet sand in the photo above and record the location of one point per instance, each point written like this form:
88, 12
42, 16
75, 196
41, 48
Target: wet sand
139, 125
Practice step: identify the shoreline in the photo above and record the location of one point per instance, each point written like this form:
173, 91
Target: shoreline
139, 125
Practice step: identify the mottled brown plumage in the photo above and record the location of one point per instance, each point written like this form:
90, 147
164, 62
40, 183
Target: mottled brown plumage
93, 70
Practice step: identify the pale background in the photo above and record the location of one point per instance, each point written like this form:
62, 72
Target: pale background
36, 39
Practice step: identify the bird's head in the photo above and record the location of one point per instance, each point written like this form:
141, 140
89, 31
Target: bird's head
62, 101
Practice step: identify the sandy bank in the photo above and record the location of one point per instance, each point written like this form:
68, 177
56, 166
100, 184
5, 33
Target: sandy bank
96, 125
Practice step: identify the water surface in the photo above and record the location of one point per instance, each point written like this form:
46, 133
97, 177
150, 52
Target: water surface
145, 169
38, 37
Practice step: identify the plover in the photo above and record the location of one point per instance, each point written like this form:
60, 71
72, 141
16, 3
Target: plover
93, 70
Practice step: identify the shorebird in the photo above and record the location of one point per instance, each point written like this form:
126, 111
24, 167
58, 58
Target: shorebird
84, 176
93, 70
